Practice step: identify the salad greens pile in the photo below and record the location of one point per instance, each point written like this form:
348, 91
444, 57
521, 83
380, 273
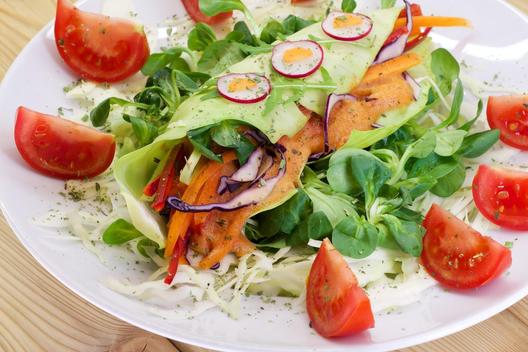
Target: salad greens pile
224, 134
364, 198
362, 195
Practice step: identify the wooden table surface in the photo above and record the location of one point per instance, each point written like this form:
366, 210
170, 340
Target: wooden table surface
37, 313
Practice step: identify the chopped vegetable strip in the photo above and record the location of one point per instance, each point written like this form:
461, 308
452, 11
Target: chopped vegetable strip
397, 65
434, 21
166, 179
176, 258
180, 222
222, 232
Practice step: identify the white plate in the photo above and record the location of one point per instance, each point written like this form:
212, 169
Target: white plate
498, 45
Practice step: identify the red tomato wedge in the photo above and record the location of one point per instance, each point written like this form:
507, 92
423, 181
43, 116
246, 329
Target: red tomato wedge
193, 9
337, 306
457, 256
61, 148
99, 48
510, 115
501, 195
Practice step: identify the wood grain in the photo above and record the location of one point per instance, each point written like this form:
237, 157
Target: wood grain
37, 313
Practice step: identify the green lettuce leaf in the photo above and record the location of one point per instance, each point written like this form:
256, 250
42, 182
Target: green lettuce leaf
346, 64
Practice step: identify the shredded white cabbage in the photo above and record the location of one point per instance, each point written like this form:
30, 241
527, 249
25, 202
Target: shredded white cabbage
437, 89
284, 273
88, 208
403, 290
190, 165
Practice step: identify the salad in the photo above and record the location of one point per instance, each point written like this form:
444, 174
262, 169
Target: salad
333, 158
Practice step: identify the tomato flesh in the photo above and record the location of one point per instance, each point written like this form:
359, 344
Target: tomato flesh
61, 148
336, 305
193, 9
501, 195
458, 256
510, 115
99, 48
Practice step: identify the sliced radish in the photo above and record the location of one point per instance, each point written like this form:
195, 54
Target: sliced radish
347, 26
297, 59
244, 88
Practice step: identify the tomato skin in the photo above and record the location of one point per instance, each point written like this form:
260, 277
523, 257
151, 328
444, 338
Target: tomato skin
60, 148
501, 195
193, 9
99, 48
458, 256
510, 115
336, 305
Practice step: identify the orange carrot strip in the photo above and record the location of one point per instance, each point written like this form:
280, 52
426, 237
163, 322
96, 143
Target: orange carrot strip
415, 31
222, 233
397, 65
219, 251
434, 21
209, 191
180, 222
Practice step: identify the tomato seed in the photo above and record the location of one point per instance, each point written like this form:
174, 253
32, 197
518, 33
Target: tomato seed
503, 195
40, 130
513, 126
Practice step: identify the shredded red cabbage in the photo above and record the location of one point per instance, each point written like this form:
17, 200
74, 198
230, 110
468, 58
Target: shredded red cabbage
256, 193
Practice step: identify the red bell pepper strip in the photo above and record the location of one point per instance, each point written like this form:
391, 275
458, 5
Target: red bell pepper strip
417, 40
179, 250
395, 35
416, 10
151, 188
166, 179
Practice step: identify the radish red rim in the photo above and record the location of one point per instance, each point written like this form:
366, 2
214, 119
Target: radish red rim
297, 59
244, 88
347, 26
